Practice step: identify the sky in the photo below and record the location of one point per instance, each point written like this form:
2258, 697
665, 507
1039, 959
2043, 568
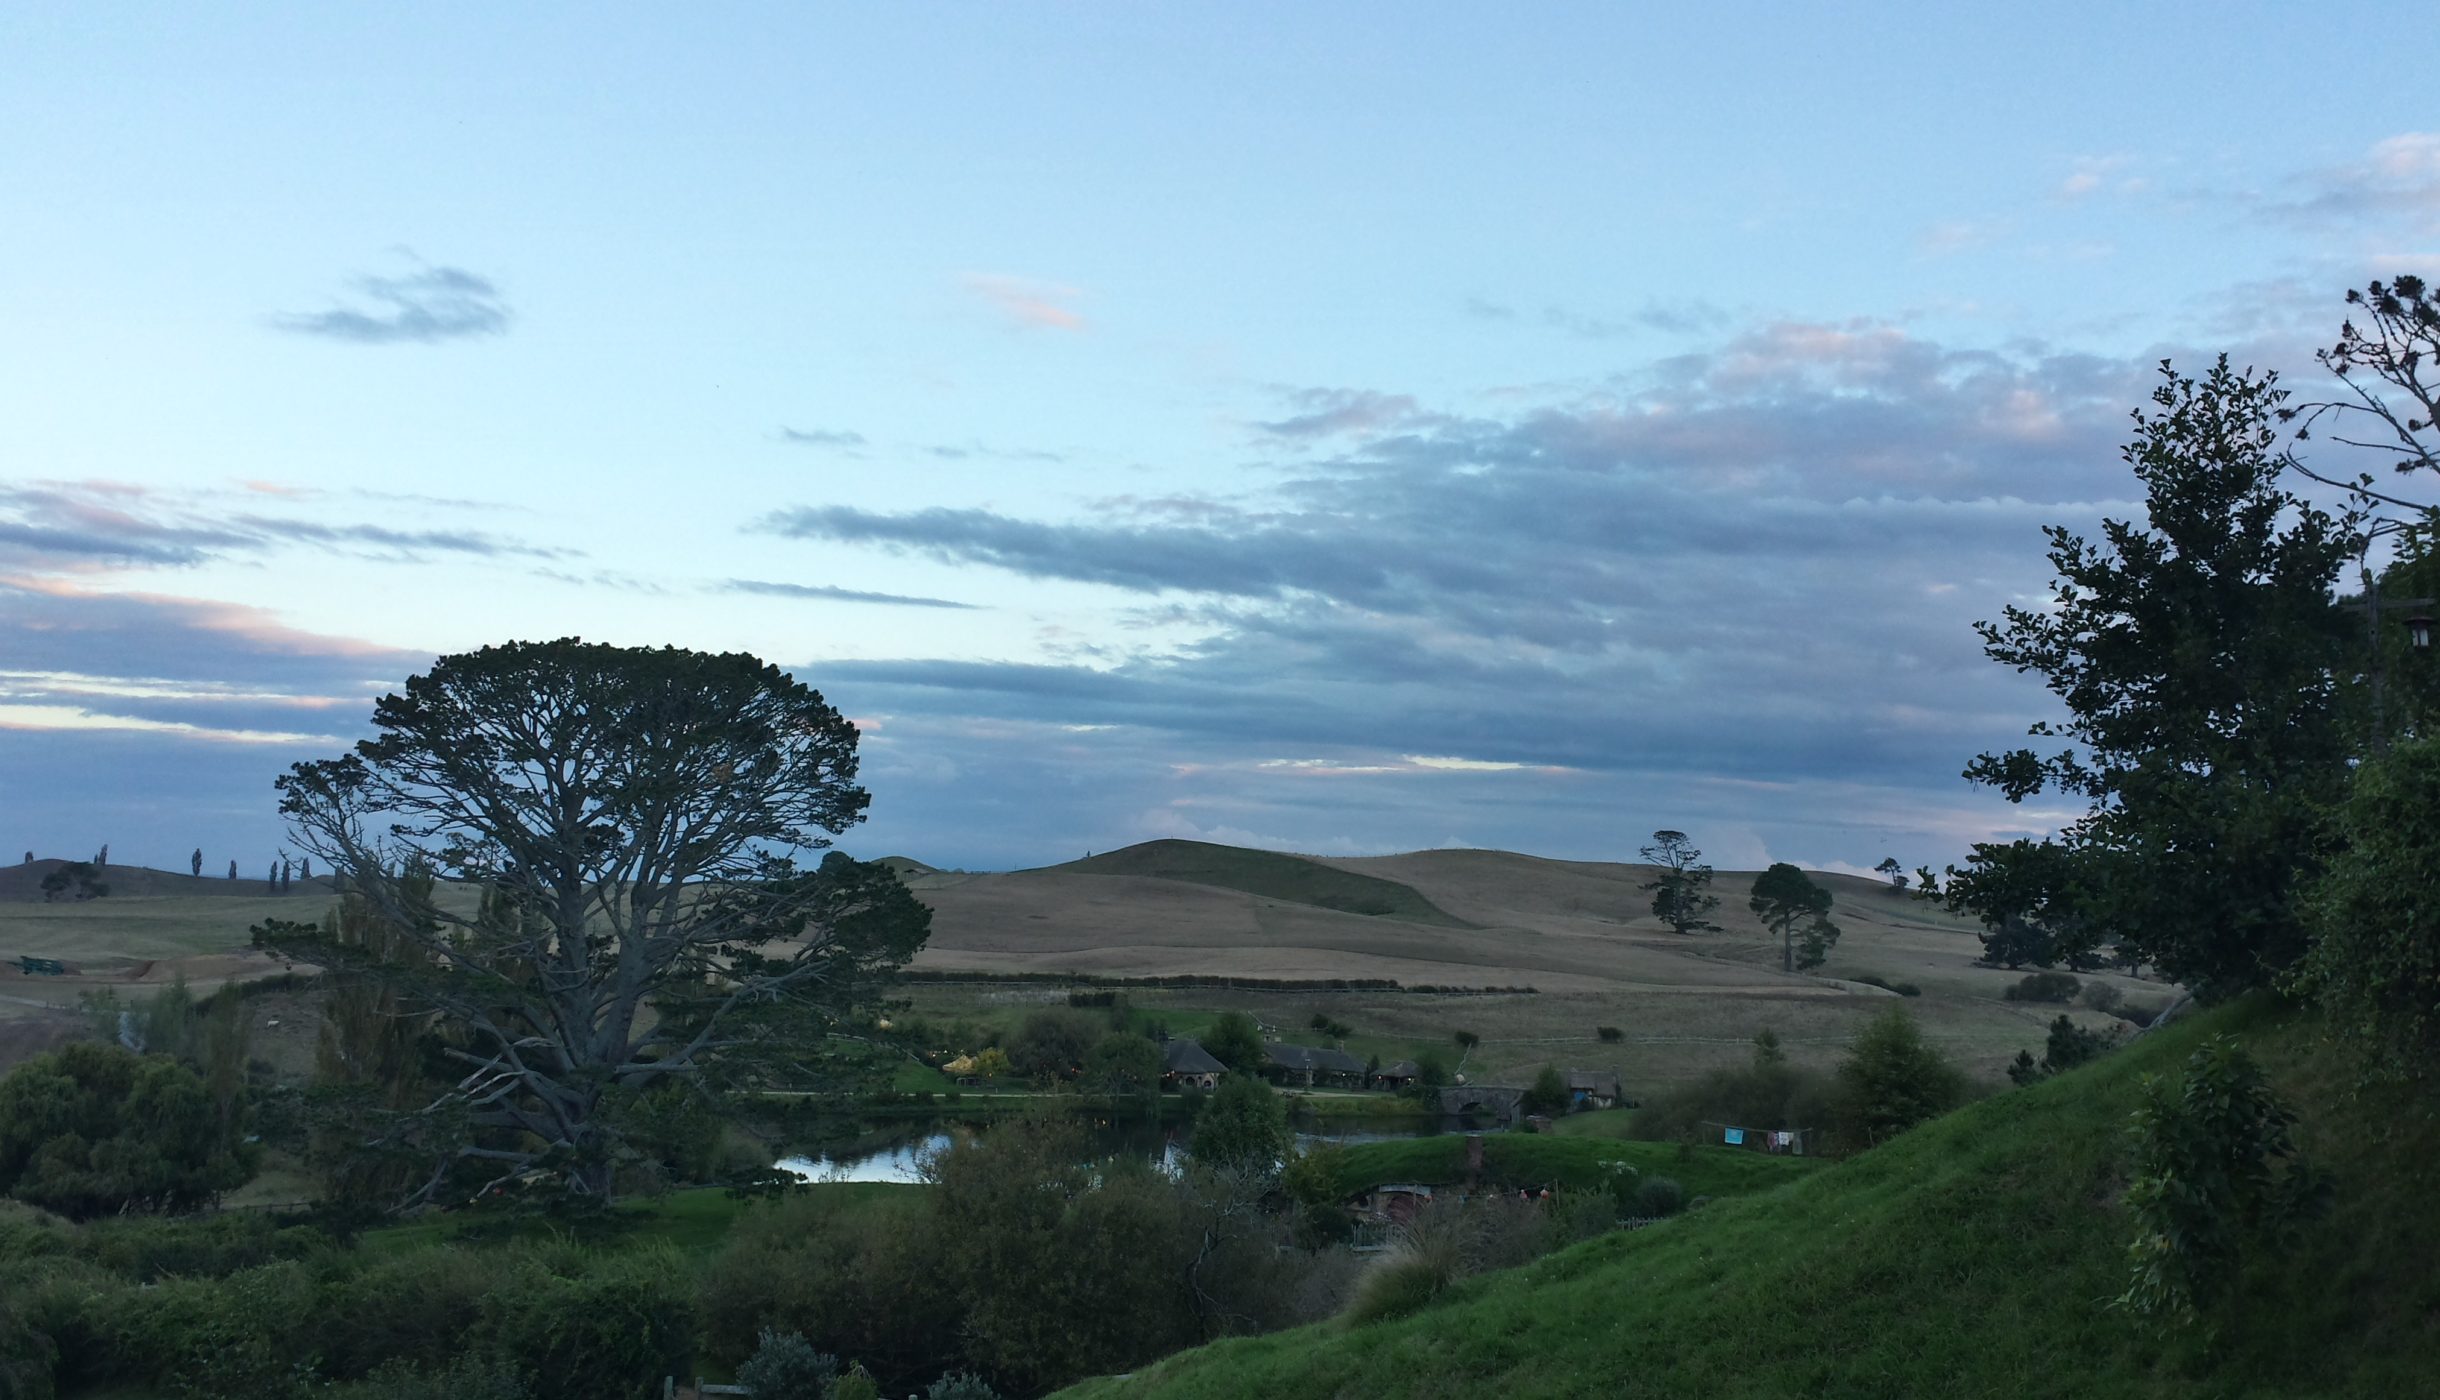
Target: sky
1340, 429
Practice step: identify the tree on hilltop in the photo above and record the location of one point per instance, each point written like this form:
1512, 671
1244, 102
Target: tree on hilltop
1681, 895
633, 816
1798, 911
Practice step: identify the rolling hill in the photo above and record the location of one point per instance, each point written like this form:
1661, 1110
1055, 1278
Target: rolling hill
1974, 1258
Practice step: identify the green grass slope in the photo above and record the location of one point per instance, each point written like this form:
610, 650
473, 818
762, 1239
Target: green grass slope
1269, 874
1974, 1257
1533, 1161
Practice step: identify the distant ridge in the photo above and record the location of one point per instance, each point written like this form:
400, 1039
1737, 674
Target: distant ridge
1270, 875
24, 882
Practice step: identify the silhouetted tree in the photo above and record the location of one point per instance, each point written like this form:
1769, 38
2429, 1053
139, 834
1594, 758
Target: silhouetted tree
232, 869
195, 863
633, 813
1681, 896
2202, 666
1890, 870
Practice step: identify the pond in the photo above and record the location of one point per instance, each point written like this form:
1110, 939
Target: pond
897, 1153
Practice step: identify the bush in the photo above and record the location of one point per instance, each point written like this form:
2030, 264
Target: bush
857, 1384
1892, 1079
612, 1330
1052, 1044
1397, 1285
2044, 986
1547, 1093
464, 1378
785, 1366
2101, 996
863, 1282
2216, 1173
254, 1332
412, 1310
2374, 964
1244, 1127
1658, 1197
91, 1129
1904, 989
960, 1385
1608, 1035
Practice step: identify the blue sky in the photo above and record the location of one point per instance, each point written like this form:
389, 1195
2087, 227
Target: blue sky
1343, 430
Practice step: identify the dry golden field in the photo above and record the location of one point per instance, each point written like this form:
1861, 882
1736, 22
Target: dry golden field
1578, 932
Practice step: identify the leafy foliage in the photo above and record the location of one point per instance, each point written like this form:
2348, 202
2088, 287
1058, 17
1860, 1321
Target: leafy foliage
2375, 961
1892, 1079
1234, 1040
2068, 1046
91, 1129
785, 1366
2216, 1173
2201, 664
2043, 986
1547, 1093
1243, 1128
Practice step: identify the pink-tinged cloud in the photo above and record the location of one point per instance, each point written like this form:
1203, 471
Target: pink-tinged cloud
1028, 303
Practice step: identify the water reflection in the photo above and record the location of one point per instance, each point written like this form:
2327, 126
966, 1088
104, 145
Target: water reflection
899, 1155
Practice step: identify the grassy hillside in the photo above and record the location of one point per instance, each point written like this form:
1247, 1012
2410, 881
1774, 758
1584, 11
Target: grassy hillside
1270, 875
1533, 1161
1974, 1257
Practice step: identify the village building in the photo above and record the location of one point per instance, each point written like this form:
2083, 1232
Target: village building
1592, 1089
1397, 1076
1185, 1064
1308, 1067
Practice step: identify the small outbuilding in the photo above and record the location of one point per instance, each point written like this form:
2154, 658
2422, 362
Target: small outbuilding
1593, 1089
1185, 1064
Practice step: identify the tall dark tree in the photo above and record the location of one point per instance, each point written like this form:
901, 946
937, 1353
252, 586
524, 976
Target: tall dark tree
2202, 665
232, 869
1798, 911
1681, 893
633, 815
194, 863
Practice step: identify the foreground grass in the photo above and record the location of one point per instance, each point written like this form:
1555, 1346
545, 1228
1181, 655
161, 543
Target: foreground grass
1974, 1257
1532, 1161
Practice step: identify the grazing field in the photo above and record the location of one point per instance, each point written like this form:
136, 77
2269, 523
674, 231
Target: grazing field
1578, 932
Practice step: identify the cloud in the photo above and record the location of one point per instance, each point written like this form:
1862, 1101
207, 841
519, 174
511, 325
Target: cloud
50, 527
1331, 412
825, 593
426, 306
1953, 236
1757, 563
1028, 303
822, 437
2102, 175
1684, 316
2398, 178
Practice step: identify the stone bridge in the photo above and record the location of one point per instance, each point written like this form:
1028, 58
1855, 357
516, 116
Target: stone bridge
1495, 1100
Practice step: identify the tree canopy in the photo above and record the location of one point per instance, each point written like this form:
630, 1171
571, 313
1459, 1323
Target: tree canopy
632, 816
2202, 667
92, 1129
1798, 910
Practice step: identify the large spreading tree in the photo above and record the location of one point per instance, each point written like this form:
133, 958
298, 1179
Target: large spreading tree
1798, 911
2203, 669
632, 818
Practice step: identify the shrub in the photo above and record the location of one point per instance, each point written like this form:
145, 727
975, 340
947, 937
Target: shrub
2216, 1171
1052, 1044
1397, 1285
251, 1333
1904, 989
91, 1129
857, 1384
2044, 986
1658, 1197
1547, 1093
464, 1378
614, 1329
2101, 996
865, 1282
1609, 1035
960, 1385
1892, 1079
785, 1366
412, 1310
2374, 964
1243, 1128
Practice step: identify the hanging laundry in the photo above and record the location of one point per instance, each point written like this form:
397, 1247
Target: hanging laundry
1734, 1137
